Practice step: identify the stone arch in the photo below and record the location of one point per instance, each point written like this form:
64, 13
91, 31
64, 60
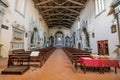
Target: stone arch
67, 41
59, 39
51, 41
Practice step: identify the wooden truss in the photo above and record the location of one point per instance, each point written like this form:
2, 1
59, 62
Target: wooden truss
60, 12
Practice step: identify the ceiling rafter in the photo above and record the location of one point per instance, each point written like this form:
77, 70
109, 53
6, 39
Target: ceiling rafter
60, 7
59, 12
53, 25
74, 2
41, 12
64, 15
44, 2
72, 10
59, 19
67, 26
61, 3
63, 23
45, 14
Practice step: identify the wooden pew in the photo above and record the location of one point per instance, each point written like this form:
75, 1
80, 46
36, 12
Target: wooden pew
73, 54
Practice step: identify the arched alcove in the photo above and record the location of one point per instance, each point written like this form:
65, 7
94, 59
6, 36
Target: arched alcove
51, 41
67, 41
59, 39
35, 38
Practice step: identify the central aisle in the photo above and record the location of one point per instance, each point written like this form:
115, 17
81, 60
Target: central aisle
57, 67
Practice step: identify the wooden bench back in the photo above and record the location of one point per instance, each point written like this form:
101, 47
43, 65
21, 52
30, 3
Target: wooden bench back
19, 51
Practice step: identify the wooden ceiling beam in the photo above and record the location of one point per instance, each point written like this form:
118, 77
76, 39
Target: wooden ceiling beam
59, 14
59, 19
72, 10
45, 11
44, 2
61, 3
53, 7
74, 2
67, 26
55, 20
60, 23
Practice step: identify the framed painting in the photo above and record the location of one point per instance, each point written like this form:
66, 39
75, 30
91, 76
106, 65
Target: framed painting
113, 28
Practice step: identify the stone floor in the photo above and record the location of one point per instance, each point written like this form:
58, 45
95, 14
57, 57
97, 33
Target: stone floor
58, 67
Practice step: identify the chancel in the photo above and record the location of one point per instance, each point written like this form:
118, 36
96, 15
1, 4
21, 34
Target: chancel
59, 39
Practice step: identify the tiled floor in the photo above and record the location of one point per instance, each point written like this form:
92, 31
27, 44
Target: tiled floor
58, 67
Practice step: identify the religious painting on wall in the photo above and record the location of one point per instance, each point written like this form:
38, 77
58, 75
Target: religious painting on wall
103, 47
74, 41
113, 28
86, 37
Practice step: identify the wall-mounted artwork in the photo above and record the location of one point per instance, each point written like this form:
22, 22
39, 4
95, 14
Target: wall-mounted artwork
18, 36
86, 34
113, 28
74, 37
20, 6
34, 38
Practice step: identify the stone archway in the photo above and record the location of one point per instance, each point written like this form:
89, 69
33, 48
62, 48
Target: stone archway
67, 41
51, 41
59, 39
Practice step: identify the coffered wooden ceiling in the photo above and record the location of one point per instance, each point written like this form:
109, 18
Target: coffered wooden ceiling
59, 12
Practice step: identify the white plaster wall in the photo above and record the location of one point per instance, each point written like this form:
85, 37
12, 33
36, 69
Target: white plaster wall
101, 25
11, 16
52, 31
